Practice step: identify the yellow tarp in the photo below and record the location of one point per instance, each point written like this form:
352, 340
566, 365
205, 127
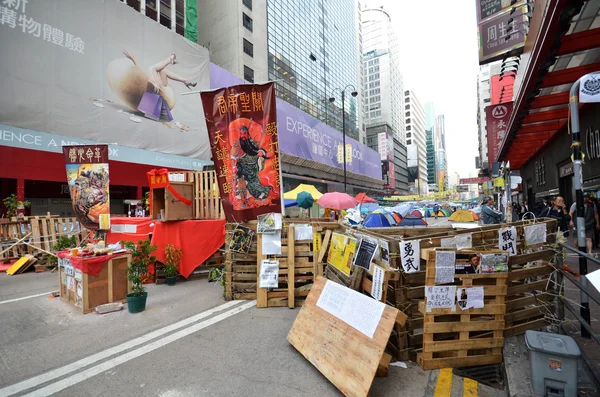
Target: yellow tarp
293, 194
17, 265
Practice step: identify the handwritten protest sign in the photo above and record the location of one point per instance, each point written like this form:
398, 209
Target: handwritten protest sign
410, 256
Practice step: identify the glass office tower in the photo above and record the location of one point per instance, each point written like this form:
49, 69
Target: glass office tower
314, 48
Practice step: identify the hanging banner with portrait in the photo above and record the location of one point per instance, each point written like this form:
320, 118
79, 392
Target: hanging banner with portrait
88, 179
242, 128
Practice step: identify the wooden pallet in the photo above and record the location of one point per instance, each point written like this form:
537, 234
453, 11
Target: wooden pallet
461, 338
206, 202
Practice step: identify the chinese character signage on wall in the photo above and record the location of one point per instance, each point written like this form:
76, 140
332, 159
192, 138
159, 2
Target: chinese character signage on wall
87, 176
242, 129
497, 118
468, 181
489, 8
501, 34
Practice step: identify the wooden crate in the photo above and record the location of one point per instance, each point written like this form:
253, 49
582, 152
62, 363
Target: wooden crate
461, 338
173, 209
206, 203
89, 291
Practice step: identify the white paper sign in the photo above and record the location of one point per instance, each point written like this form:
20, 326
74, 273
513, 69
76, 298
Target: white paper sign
535, 234
269, 273
468, 298
271, 243
445, 264
385, 251
377, 286
123, 228
589, 89
507, 240
448, 242
355, 309
303, 232
440, 297
463, 241
410, 255
594, 278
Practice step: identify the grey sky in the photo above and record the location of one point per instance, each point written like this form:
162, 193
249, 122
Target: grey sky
438, 47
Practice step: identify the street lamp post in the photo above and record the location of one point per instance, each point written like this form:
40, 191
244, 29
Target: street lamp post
332, 99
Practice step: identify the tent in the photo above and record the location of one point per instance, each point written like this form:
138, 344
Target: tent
370, 207
290, 203
402, 209
363, 198
417, 213
377, 219
446, 211
413, 221
293, 194
462, 216
428, 212
439, 213
475, 216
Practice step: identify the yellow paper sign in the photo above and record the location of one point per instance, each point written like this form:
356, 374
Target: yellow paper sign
341, 252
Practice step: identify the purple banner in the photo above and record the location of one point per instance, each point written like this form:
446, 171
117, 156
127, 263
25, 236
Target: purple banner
304, 136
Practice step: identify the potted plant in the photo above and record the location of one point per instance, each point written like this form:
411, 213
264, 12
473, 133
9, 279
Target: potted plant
172, 259
13, 206
141, 257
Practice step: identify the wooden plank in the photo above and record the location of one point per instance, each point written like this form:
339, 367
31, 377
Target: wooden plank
345, 356
45, 235
521, 274
521, 328
451, 345
487, 309
528, 287
384, 365
515, 304
524, 314
432, 328
261, 293
325, 246
291, 276
452, 362
545, 255
35, 229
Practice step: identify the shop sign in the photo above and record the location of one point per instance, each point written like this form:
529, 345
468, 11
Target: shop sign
502, 34
589, 89
462, 188
468, 181
489, 8
497, 118
565, 170
592, 143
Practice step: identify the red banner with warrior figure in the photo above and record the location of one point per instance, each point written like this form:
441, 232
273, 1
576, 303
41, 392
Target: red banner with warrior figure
242, 127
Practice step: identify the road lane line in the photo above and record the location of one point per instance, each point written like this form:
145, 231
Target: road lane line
26, 297
113, 362
443, 388
77, 365
470, 388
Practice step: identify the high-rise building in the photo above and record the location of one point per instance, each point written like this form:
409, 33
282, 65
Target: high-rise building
416, 144
441, 156
430, 141
309, 48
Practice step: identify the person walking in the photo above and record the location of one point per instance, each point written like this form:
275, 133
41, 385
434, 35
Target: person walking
591, 220
489, 215
559, 212
436, 208
524, 209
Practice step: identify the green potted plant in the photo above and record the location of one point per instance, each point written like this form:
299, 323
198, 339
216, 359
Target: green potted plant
141, 257
172, 259
13, 206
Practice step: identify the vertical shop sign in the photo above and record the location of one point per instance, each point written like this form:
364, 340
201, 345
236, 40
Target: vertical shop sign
242, 128
497, 118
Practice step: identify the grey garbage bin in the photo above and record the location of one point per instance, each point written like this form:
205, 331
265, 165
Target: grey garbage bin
553, 360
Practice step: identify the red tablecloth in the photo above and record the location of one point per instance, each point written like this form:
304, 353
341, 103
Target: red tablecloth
198, 240
92, 265
128, 229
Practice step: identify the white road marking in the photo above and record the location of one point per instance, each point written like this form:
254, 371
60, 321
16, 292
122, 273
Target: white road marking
113, 362
77, 365
26, 297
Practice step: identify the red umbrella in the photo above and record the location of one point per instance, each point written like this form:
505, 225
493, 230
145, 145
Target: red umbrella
363, 198
337, 201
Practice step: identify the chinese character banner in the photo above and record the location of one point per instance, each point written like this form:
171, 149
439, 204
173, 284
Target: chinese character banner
497, 118
242, 128
88, 179
105, 72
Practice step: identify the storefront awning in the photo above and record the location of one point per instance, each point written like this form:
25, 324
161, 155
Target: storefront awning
563, 44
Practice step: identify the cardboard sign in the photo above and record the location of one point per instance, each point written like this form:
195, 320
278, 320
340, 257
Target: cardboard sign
410, 256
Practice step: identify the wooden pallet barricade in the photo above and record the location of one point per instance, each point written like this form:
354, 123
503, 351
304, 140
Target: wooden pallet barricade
206, 202
459, 338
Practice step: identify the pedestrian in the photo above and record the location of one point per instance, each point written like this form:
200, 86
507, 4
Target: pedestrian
559, 212
590, 217
489, 215
524, 209
436, 208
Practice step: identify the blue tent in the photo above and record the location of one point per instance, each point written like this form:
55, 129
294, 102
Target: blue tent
290, 203
377, 220
369, 206
413, 221
428, 213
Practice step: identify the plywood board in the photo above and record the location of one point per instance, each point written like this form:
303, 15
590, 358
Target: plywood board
347, 357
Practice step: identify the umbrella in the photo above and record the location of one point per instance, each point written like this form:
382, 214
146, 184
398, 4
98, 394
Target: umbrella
377, 220
363, 198
290, 203
305, 200
462, 216
293, 194
413, 221
336, 201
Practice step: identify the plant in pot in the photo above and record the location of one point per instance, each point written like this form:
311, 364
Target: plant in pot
172, 259
141, 257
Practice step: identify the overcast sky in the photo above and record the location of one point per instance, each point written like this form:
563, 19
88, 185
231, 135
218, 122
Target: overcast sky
438, 47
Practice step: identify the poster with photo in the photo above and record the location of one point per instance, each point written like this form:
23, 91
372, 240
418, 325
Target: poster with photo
466, 263
470, 298
493, 263
268, 223
365, 252
241, 239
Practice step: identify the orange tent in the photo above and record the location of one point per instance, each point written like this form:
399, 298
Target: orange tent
475, 216
363, 198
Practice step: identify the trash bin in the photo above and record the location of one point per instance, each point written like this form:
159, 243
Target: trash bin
553, 360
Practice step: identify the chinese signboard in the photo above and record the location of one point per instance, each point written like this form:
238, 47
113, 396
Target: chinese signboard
468, 181
501, 34
242, 129
489, 8
99, 81
497, 118
87, 176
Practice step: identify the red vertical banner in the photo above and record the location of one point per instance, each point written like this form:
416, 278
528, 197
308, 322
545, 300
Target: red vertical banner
88, 180
497, 117
242, 128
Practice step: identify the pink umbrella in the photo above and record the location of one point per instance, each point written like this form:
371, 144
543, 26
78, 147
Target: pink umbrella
337, 201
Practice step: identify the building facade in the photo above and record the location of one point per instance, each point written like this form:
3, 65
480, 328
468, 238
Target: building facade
431, 141
416, 142
441, 156
484, 99
381, 138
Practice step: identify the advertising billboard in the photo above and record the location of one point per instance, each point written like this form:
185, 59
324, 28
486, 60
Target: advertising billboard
100, 71
497, 117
